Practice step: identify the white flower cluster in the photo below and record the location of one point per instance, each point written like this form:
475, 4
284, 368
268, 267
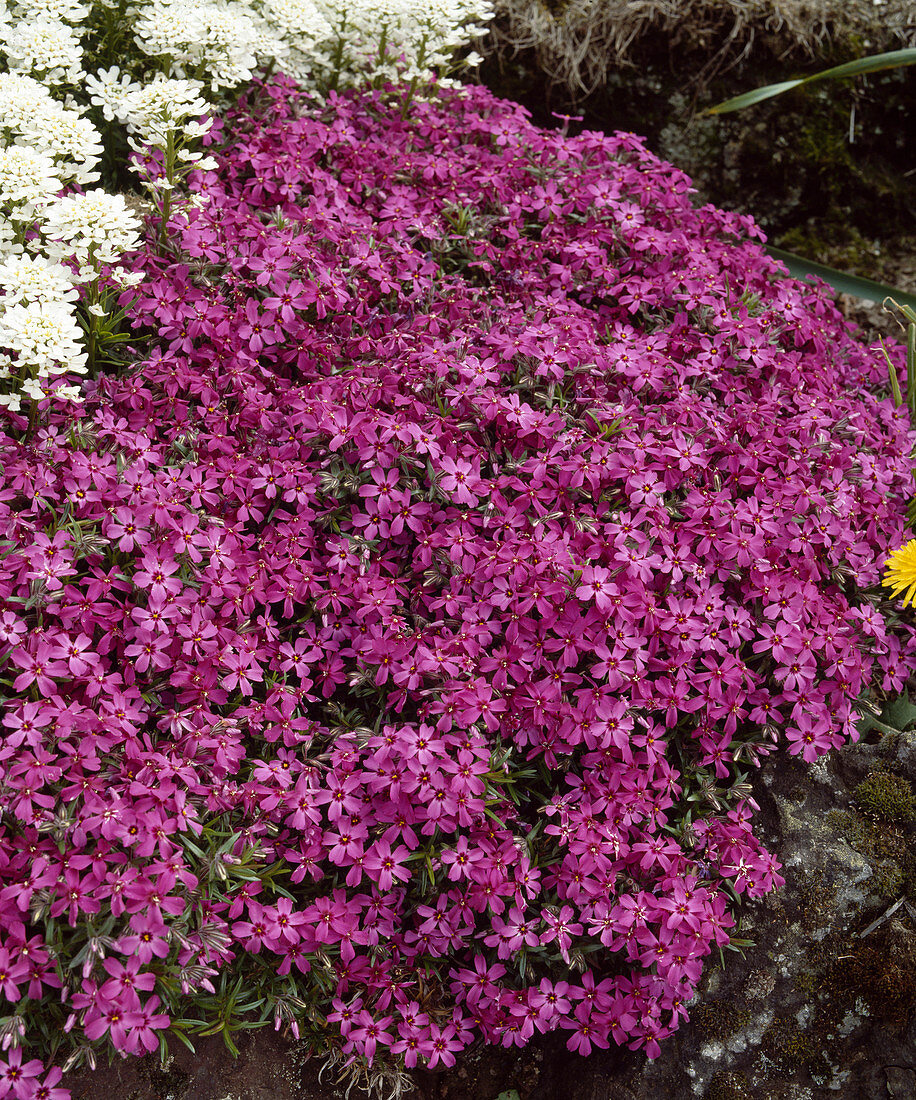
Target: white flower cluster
317, 42
38, 40
153, 111
45, 336
29, 116
46, 48
160, 115
226, 41
45, 146
397, 38
90, 229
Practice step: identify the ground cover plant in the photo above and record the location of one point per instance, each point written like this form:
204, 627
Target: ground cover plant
388, 630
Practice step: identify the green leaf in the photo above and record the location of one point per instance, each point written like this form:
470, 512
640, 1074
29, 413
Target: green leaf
229, 1044
748, 99
510, 1094
841, 282
900, 713
873, 64
868, 722
181, 1035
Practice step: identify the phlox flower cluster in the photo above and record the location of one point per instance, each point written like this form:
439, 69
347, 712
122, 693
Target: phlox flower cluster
390, 639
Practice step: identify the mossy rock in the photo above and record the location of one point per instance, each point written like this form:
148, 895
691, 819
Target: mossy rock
718, 1020
886, 796
887, 847
729, 1086
882, 971
792, 1049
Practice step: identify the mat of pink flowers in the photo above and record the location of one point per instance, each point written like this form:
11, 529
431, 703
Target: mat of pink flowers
381, 654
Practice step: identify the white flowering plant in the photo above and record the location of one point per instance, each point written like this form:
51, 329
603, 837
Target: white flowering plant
164, 120
51, 244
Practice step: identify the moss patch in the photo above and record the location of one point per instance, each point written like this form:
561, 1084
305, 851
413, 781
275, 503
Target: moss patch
887, 846
718, 1020
792, 1049
887, 796
729, 1086
882, 971
817, 898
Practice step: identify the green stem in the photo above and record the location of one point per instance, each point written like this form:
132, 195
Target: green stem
892, 372
170, 179
338, 58
92, 334
911, 370
408, 99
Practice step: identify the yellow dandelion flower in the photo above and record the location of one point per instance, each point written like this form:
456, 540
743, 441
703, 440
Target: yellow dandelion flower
901, 572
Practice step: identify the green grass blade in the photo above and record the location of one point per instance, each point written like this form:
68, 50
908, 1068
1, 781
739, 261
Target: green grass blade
892, 60
872, 64
748, 99
892, 374
841, 282
911, 369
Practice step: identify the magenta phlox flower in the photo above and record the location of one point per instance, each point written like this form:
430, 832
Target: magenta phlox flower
156, 617
284, 924
127, 529
296, 295
799, 672
342, 795
47, 1089
383, 489
720, 676
124, 977
511, 934
157, 575
368, 1032
588, 1030
243, 672
561, 929
460, 860
148, 938
659, 852
480, 982
39, 667
13, 972
143, 1023
386, 864
443, 1042
18, 1078
686, 905
112, 1021
809, 736
597, 586
298, 655
459, 478
150, 650
256, 329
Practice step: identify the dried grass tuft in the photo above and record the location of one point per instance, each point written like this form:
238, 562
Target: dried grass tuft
577, 43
